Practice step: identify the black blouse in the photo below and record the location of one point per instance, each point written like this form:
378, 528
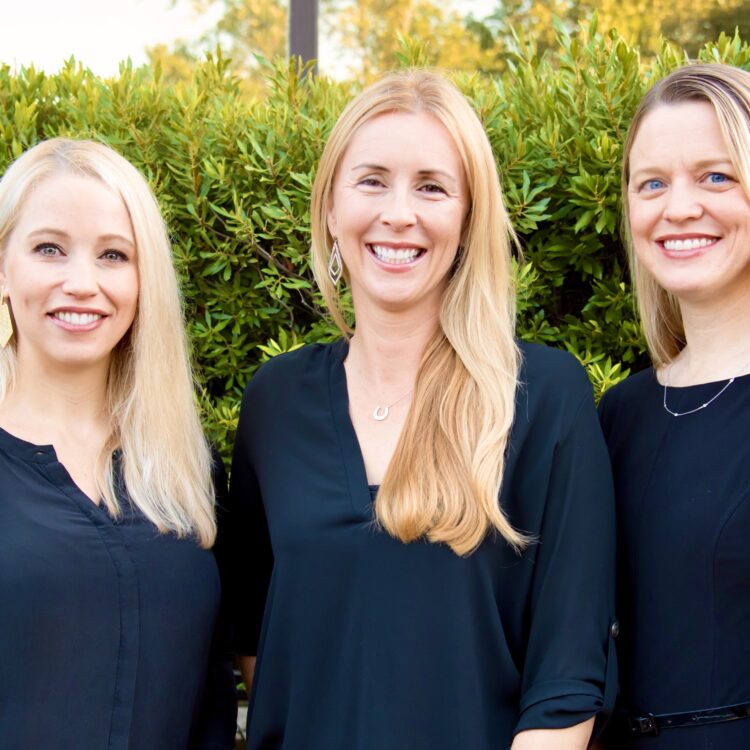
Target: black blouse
106, 626
367, 643
683, 510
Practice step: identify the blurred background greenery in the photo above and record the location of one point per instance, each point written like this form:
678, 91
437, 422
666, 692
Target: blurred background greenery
229, 131
367, 35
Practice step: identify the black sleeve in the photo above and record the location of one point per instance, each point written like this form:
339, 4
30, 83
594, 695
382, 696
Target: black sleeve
569, 672
215, 726
244, 548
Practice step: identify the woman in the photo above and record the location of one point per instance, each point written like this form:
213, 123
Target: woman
405, 608
677, 432
109, 593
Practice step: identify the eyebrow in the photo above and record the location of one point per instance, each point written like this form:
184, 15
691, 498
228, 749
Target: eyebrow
380, 168
46, 231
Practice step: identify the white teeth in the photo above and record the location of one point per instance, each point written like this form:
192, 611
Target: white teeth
77, 319
688, 244
395, 256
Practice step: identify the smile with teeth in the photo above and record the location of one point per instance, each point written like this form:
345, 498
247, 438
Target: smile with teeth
688, 243
396, 256
77, 319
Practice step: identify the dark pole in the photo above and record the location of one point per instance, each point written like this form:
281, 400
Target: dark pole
303, 30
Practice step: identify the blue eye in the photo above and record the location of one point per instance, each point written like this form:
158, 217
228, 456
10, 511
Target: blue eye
653, 185
114, 255
48, 250
718, 178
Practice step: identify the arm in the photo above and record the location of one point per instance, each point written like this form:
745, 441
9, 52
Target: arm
569, 670
571, 738
216, 722
243, 550
247, 667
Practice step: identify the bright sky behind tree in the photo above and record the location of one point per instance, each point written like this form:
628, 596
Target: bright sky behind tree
101, 33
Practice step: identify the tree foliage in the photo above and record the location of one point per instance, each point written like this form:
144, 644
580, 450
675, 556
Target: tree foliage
370, 34
233, 177
642, 23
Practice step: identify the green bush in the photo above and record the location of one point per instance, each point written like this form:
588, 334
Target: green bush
233, 177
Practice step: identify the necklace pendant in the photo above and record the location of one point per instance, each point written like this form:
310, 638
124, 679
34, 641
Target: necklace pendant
380, 413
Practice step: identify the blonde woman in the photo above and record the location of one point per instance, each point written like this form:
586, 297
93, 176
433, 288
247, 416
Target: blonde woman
677, 432
422, 513
109, 593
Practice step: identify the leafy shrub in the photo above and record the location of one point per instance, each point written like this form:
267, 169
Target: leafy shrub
233, 177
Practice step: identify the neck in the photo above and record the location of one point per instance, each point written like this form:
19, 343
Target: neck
46, 404
386, 350
718, 344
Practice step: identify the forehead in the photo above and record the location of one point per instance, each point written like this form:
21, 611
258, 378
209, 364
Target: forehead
685, 130
67, 197
408, 137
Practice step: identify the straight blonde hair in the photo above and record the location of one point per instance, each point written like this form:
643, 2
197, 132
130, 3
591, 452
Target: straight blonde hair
444, 479
165, 462
727, 89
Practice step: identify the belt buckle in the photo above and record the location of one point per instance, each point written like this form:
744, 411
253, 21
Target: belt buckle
645, 724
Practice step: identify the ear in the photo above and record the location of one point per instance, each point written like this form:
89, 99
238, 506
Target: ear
331, 219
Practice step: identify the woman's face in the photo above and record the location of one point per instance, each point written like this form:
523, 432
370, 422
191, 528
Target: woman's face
689, 216
70, 272
398, 205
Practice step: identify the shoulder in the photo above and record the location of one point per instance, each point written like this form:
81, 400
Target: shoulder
287, 368
621, 405
632, 387
548, 371
631, 390
553, 393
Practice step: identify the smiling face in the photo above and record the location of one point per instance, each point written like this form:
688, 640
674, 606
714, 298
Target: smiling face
397, 209
689, 216
70, 272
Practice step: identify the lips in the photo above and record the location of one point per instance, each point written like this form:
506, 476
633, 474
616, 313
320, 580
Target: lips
396, 256
77, 320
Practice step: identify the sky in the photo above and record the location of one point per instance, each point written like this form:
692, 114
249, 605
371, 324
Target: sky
101, 33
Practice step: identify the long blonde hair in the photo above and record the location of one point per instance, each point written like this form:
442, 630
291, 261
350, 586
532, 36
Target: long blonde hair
444, 479
727, 89
166, 464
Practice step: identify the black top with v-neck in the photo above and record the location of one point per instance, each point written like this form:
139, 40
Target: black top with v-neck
106, 626
683, 510
367, 643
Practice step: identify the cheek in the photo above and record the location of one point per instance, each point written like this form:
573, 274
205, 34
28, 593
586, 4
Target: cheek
127, 293
643, 219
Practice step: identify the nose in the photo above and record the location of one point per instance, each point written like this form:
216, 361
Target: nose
684, 202
81, 276
399, 211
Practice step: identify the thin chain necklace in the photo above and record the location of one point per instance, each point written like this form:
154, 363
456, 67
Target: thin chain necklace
697, 408
381, 412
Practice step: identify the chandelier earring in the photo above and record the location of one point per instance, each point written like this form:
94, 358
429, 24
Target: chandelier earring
335, 264
6, 323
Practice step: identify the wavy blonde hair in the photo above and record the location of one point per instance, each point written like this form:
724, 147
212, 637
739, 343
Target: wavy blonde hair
444, 479
727, 89
166, 463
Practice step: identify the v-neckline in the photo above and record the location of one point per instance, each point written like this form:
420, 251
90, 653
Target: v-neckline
44, 456
351, 452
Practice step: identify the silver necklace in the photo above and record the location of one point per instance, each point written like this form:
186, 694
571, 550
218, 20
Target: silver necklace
697, 408
381, 412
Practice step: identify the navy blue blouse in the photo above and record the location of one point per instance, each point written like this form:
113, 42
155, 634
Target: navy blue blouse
367, 643
683, 511
106, 626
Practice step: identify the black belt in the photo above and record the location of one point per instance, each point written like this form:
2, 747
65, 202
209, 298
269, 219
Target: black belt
644, 724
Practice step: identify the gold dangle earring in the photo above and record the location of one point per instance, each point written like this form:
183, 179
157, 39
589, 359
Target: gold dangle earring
6, 324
